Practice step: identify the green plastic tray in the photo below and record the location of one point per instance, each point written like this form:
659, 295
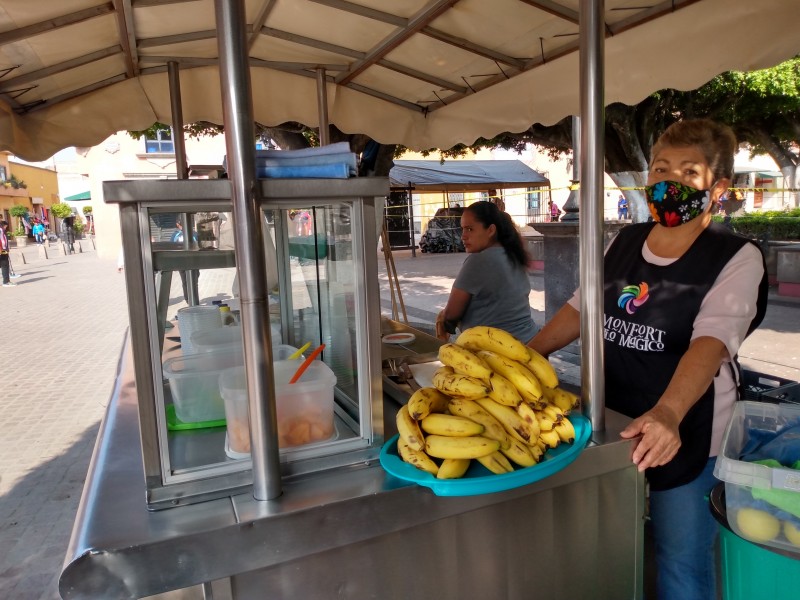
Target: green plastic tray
175, 424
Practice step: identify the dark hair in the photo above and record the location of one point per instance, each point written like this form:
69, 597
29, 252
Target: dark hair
507, 235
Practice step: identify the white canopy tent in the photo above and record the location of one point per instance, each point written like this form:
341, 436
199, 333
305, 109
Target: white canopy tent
423, 73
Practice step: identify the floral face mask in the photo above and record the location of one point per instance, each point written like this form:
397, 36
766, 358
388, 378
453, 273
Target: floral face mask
672, 203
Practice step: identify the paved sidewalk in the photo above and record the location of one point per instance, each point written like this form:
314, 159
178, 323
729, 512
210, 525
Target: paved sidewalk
64, 325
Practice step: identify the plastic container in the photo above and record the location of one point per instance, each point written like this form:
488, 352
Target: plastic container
194, 383
786, 393
751, 571
742, 477
228, 338
304, 409
193, 319
759, 386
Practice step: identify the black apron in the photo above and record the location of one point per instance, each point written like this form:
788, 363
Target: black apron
645, 338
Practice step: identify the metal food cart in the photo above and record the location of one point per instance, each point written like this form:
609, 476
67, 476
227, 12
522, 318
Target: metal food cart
328, 521
342, 526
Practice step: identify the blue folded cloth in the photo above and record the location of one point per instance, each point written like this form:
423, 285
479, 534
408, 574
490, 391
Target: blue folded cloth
347, 158
782, 445
336, 171
337, 148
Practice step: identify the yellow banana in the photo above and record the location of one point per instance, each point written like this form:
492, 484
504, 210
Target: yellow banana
416, 457
463, 361
551, 438
545, 422
443, 446
453, 468
452, 425
562, 399
528, 415
472, 410
496, 340
566, 431
496, 462
409, 430
542, 368
553, 412
520, 454
518, 374
509, 419
425, 401
537, 450
446, 380
503, 391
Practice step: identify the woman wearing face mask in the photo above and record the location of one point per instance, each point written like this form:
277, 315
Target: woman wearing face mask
492, 287
680, 295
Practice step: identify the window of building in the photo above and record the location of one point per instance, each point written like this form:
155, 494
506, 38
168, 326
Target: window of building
2, 173
160, 143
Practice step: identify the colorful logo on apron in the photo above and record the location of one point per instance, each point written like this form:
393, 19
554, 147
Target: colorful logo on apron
632, 297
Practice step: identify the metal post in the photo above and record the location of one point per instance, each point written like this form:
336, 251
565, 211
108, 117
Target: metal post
573, 204
591, 215
176, 107
248, 236
322, 105
182, 170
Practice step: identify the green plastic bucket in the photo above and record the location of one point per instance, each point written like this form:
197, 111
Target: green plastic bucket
751, 571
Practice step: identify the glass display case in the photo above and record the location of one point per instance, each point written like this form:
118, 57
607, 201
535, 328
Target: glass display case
188, 349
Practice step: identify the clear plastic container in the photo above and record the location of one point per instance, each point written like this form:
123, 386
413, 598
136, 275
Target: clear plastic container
304, 409
742, 478
194, 383
194, 319
227, 338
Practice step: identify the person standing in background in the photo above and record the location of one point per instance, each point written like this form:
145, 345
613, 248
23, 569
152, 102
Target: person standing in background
5, 265
622, 207
555, 212
38, 231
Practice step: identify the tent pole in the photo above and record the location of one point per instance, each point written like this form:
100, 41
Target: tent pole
181, 170
176, 107
322, 104
592, 42
237, 105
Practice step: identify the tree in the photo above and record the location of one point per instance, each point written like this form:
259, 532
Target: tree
762, 107
20, 211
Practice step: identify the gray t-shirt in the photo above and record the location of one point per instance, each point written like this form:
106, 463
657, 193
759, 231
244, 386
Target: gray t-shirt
499, 290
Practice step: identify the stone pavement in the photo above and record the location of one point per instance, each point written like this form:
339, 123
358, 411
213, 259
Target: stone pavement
62, 330
63, 327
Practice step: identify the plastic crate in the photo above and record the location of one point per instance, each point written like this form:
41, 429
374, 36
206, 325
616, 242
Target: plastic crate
787, 393
755, 385
741, 477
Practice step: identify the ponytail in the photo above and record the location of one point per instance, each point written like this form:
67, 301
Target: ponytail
507, 235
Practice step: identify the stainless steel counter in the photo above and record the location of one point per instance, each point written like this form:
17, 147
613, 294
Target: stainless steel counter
356, 532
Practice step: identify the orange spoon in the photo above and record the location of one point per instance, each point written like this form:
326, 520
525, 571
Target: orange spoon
299, 373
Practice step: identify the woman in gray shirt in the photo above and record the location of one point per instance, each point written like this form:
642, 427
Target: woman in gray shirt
492, 287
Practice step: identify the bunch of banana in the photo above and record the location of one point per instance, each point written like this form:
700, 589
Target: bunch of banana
446, 380
495, 401
463, 361
517, 373
498, 341
425, 401
561, 399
